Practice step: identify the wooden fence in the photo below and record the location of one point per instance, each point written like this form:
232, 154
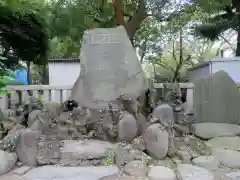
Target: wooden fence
62, 93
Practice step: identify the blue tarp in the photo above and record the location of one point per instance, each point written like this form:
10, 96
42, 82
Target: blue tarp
21, 76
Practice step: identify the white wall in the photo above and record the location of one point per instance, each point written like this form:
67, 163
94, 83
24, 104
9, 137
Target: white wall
202, 71
62, 73
231, 67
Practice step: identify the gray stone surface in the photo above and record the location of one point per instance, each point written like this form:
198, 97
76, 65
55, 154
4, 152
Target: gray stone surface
227, 157
141, 122
125, 154
232, 143
21, 170
184, 155
161, 173
163, 114
135, 168
212, 130
124, 178
53, 108
74, 152
7, 161
231, 176
156, 140
117, 71
217, 99
33, 117
27, 147
69, 173
226, 150
208, 162
190, 172
127, 128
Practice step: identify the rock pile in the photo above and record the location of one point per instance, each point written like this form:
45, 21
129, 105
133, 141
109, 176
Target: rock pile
140, 148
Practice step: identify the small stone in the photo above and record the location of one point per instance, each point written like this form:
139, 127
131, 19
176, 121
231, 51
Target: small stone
190, 172
138, 143
135, 168
54, 109
123, 155
33, 117
208, 162
7, 160
22, 170
161, 173
19, 163
184, 156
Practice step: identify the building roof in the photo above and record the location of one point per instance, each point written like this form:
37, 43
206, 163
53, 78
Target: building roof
229, 59
64, 60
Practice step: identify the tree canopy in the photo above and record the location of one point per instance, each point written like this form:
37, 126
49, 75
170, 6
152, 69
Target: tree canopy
24, 34
162, 31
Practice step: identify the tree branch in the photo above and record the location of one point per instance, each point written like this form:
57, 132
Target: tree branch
134, 22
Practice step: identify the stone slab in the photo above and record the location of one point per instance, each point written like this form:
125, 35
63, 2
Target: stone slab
70, 173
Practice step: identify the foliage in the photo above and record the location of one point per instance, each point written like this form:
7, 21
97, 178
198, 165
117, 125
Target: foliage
69, 19
224, 15
153, 26
23, 31
5, 78
109, 159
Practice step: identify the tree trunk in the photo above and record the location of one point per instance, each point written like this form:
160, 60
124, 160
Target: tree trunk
45, 78
29, 72
238, 28
177, 73
135, 21
119, 13
238, 43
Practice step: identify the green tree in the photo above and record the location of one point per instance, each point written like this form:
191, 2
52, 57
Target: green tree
69, 19
223, 16
24, 34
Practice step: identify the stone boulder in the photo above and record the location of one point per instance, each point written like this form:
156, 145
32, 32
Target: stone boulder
207, 162
156, 141
70, 173
125, 153
135, 168
53, 109
163, 114
27, 147
212, 130
33, 116
216, 99
127, 127
190, 172
141, 123
161, 173
41, 123
226, 150
231, 176
8, 160
77, 152
116, 177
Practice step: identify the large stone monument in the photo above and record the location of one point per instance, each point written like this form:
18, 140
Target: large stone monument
217, 99
109, 68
